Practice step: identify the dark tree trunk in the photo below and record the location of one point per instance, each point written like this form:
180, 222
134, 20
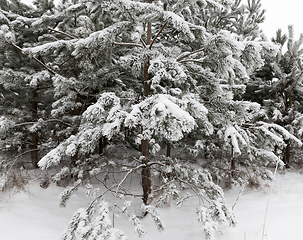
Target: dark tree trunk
168, 149
146, 181
102, 145
35, 138
231, 174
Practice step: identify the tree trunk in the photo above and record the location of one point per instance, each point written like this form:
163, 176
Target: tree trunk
286, 157
35, 138
146, 181
102, 145
168, 149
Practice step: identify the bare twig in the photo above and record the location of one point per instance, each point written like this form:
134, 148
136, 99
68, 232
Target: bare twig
101, 51
192, 187
126, 175
63, 33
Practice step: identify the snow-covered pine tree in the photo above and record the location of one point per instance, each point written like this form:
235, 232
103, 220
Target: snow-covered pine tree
26, 96
280, 87
150, 74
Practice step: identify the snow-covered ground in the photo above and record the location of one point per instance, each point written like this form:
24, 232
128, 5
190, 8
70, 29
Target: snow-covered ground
35, 214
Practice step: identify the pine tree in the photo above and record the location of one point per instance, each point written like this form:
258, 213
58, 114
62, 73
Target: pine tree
24, 81
280, 83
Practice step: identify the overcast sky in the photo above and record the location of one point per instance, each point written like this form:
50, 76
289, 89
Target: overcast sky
279, 14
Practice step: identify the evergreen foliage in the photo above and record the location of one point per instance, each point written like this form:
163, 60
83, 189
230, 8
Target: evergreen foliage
279, 89
137, 77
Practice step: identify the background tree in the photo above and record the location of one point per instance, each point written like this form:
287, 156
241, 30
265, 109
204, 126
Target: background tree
278, 87
24, 81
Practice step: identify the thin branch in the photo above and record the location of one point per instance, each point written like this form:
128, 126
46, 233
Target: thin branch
59, 121
36, 59
100, 196
191, 60
127, 44
157, 35
220, 20
66, 61
101, 51
192, 187
143, 43
63, 33
126, 175
191, 53
49, 120
19, 155
155, 163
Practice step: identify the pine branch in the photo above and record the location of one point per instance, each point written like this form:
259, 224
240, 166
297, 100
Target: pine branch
46, 121
63, 33
66, 61
220, 20
157, 35
191, 60
36, 59
143, 43
127, 44
191, 53
101, 51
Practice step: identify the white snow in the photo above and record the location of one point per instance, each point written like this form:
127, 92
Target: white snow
35, 214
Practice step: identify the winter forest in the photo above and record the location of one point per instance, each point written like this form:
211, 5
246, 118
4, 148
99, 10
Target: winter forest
144, 105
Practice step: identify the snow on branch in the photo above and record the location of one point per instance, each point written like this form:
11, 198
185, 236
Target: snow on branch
139, 6
267, 156
3, 18
233, 136
278, 133
5, 125
89, 225
106, 115
47, 20
161, 115
177, 21
101, 38
96, 40
52, 158
179, 24
50, 48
